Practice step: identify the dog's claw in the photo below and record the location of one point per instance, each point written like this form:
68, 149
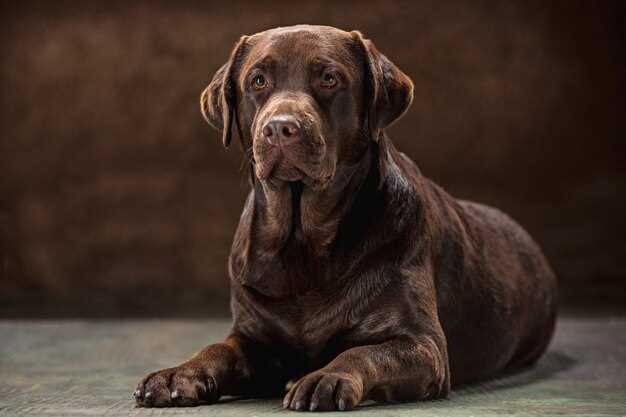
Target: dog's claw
341, 404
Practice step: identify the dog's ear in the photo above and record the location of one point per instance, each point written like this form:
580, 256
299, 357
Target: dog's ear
388, 91
218, 102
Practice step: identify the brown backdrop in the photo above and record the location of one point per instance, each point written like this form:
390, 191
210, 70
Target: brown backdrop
117, 199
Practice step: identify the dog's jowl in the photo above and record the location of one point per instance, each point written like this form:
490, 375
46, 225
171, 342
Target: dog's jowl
352, 275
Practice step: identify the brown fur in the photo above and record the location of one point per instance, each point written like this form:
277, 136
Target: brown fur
351, 273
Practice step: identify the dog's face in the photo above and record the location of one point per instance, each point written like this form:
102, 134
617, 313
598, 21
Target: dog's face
305, 99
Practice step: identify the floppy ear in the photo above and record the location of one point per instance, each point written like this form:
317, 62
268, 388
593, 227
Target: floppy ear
218, 102
388, 91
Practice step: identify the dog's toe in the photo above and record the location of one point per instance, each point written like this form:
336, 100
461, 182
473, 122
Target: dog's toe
324, 391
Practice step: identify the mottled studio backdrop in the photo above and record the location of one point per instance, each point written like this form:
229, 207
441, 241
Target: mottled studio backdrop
117, 199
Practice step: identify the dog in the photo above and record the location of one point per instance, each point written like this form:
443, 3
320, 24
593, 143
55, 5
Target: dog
352, 275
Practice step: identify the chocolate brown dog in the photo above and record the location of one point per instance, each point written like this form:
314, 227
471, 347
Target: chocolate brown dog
351, 273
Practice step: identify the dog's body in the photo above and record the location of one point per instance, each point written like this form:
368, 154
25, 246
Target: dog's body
351, 273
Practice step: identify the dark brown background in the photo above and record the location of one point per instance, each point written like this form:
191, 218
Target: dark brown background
116, 199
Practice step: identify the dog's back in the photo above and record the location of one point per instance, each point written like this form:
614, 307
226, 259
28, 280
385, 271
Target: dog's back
492, 275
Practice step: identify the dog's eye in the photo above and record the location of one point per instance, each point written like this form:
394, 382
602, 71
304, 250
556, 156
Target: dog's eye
259, 82
329, 80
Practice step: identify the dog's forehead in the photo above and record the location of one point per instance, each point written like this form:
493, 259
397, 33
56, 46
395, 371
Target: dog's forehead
302, 43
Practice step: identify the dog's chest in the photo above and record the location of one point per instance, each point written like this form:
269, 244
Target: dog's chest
310, 326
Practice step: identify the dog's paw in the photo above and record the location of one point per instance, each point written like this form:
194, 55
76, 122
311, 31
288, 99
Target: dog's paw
324, 391
185, 385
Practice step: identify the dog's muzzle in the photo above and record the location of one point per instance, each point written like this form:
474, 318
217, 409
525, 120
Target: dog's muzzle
286, 147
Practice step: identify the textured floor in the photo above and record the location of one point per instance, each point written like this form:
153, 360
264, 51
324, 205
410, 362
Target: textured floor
75, 368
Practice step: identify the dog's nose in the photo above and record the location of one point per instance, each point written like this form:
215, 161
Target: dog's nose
281, 128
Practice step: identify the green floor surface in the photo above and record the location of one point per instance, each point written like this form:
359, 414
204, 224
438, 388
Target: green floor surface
89, 368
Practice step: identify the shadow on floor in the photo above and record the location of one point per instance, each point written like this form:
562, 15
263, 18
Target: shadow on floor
550, 364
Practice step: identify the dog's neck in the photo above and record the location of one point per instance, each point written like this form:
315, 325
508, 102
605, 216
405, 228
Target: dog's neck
295, 214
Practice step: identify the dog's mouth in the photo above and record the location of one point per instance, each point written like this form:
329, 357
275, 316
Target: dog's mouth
279, 165
294, 163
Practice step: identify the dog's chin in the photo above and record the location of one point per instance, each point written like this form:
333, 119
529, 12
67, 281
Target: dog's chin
286, 173
290, 175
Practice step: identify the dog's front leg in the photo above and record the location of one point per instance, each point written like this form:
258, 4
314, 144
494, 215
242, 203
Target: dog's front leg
232, 368
402, 369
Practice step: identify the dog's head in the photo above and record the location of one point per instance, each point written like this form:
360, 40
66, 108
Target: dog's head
304, 99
